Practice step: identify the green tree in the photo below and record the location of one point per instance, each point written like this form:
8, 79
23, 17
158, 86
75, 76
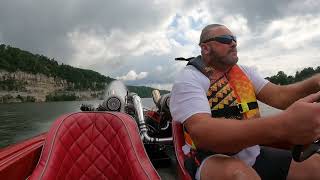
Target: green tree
283, 79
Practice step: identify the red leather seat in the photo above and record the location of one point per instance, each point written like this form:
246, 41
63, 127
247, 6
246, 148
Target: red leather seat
94, 145
178, 140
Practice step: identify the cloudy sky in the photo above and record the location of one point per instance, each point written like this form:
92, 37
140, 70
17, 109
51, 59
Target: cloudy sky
137, 40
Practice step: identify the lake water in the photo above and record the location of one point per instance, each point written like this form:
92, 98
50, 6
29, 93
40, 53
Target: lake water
21, 121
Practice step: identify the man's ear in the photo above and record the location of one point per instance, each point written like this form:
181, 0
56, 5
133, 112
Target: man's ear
205, 49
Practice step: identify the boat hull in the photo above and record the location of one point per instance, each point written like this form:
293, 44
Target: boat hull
18, 161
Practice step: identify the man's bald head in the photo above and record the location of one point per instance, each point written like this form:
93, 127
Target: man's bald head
205, 33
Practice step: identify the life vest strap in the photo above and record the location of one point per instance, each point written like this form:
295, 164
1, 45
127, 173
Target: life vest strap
198, 63
234, 111
245, 107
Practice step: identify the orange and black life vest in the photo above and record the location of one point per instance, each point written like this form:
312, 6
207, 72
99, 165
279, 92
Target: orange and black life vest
231, 96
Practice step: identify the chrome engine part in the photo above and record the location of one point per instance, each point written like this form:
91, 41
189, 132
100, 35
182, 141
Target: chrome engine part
115, 97
142, 124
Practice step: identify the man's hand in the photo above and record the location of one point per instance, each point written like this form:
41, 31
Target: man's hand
301, 121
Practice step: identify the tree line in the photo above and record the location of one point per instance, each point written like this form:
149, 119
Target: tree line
283, 79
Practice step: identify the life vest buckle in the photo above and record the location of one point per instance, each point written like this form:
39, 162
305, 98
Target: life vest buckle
243, 107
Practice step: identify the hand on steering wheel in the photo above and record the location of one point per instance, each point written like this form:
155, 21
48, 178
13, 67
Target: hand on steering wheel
300, 154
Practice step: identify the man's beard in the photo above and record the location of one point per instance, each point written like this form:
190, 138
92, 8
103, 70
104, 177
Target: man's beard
219, 61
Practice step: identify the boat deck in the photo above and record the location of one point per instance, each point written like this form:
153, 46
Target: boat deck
168, 169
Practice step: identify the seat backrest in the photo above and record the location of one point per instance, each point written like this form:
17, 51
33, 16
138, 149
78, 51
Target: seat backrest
94, 145
178, 138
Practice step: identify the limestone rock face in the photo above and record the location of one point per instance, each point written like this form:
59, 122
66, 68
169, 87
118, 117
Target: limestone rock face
38, 86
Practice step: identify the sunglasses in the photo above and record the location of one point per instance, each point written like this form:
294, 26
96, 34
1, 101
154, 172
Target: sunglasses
224, 39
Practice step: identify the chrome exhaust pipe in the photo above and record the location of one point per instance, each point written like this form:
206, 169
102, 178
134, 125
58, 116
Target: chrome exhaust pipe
142, 124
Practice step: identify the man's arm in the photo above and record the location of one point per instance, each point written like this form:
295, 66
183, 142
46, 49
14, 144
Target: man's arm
282, 97
226, 136
229, 136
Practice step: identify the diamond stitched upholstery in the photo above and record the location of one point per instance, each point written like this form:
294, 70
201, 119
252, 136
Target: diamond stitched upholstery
94, 145
178, 140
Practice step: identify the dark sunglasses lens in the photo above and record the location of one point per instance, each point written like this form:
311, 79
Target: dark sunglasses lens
225, 39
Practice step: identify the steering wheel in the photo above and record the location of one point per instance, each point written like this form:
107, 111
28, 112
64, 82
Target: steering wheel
299, 155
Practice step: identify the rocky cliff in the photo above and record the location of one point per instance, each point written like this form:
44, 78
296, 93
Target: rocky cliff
21, 86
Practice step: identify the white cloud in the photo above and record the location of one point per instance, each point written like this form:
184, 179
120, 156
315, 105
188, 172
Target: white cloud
294, 32
91, 48
132, 75
163, 86
159, 68
237, 24
287, 44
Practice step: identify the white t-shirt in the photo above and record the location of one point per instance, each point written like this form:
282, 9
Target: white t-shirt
189, 97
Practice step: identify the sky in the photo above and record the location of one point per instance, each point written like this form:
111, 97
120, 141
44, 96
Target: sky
137, 41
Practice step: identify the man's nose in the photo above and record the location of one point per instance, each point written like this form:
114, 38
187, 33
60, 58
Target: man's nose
233, 43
